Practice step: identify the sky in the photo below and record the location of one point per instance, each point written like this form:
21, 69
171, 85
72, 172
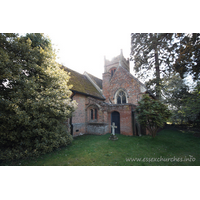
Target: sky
86, 31
85, 51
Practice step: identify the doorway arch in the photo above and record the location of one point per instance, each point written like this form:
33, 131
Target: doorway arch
115, 117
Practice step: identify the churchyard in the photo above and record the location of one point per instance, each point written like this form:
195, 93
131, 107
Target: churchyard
169, 148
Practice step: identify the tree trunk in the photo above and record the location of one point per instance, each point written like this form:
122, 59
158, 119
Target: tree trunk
158, 91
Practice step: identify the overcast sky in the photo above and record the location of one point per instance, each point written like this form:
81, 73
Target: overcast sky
85, 51
89, 30
86, 31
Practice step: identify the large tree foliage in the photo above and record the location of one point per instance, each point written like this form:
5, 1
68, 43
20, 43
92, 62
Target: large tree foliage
183, 100
34, 97
188, 55
188, 111
152, 54
170, 59
152, 114
175, 92
192, 106
187, 64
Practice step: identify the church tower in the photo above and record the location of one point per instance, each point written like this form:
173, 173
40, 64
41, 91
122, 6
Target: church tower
110, 66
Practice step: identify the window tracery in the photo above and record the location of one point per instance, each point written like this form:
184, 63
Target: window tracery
121, 97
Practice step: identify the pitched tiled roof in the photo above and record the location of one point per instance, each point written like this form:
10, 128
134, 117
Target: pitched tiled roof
96, 80
81, 84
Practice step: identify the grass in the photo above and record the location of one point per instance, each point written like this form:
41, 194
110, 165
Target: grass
93, 150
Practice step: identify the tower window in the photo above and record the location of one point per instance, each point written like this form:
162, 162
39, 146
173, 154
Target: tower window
112, 71
121, 98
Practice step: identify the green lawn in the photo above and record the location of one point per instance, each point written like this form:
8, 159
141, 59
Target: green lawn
92, 150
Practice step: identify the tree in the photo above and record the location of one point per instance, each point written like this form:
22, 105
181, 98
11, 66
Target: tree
152, 114
170, 57
187, 64
34, 97
175, 92
188, 59
191, 107
182, 100
153, 54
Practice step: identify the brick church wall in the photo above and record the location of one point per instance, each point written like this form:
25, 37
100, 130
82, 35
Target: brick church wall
122, 79
125, 117
98, 126
106, 85
78, 119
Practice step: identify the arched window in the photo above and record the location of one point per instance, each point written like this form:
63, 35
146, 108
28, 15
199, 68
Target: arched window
112, 71
93, 113
121, 97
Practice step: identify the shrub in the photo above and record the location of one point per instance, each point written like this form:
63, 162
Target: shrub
152, 114
34, 97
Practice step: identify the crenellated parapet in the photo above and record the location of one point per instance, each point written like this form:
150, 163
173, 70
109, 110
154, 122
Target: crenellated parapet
116, 62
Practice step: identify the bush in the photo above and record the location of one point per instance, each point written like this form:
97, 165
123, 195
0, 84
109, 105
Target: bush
152, 114
34, 97
35, 146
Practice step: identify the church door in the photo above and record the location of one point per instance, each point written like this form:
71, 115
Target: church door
115, 117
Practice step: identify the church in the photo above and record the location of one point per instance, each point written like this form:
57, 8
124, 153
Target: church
102, 102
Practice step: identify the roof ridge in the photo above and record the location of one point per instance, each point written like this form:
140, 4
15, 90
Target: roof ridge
93, 82
72, 70
82, 84
92, 75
